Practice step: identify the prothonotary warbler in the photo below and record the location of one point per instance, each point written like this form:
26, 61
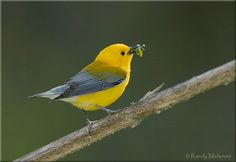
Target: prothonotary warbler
100, 83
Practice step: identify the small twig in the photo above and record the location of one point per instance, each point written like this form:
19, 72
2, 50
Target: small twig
132, 115
150, 93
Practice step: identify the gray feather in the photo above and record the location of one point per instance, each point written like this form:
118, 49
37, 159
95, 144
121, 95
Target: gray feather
53, 93
85, 83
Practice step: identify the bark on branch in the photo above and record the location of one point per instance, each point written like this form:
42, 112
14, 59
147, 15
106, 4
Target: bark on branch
131, 116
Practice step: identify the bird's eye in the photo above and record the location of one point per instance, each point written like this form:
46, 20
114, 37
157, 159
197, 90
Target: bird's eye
122, 53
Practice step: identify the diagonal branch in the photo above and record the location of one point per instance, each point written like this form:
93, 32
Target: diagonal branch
131, 116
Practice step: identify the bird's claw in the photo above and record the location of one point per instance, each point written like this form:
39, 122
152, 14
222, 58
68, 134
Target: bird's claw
90, 123
111, 112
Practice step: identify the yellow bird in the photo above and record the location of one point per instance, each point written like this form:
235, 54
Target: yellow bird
100, 83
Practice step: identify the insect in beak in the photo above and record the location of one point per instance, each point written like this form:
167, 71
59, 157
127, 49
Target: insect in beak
137, 49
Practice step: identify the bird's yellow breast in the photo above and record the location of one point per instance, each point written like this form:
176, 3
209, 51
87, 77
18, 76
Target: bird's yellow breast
104, 98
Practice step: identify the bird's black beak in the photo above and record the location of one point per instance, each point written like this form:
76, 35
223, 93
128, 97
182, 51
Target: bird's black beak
137, 49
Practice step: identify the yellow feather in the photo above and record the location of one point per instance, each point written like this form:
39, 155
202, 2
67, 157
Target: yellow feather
109, 60
104, 98
100, 83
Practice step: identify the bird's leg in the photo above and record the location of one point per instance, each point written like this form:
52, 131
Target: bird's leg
89, 122
110, 112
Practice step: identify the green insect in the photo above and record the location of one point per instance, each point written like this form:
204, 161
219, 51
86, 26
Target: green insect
139, 49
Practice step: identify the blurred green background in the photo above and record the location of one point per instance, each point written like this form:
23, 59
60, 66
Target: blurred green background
44, 43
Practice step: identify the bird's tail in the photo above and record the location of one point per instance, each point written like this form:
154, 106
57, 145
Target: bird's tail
53, 93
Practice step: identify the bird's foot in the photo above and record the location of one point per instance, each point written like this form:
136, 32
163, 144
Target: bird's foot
90, 123
110, 112
113, 111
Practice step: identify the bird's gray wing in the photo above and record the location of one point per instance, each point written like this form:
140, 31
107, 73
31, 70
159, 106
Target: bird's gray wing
86, 82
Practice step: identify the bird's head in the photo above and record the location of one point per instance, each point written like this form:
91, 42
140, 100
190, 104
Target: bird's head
119, 55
